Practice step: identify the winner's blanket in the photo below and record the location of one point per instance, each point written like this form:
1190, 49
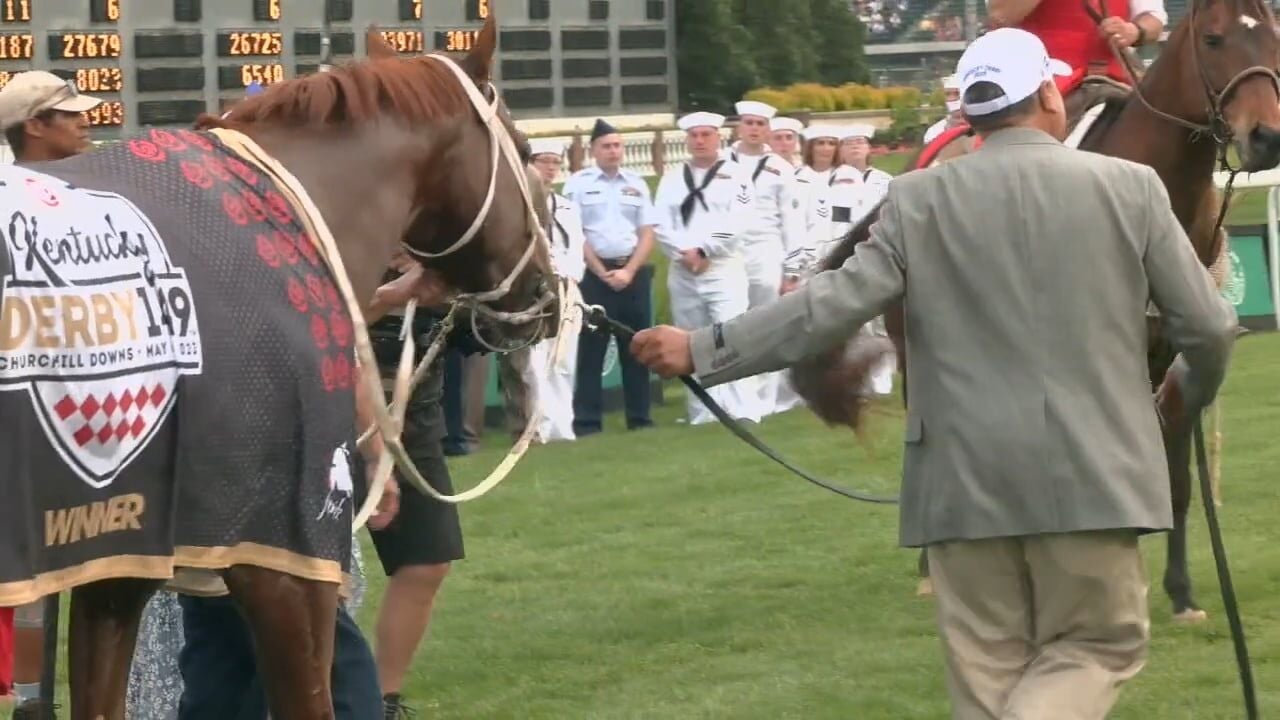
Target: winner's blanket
176, 372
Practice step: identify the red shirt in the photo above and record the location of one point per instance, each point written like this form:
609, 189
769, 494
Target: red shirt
1070, 35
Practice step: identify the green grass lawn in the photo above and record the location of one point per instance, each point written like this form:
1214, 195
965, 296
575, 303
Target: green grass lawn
677, 574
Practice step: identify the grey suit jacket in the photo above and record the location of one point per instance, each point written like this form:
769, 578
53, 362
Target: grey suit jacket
1026, 268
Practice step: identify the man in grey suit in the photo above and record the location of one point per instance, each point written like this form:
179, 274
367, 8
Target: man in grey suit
1033, 456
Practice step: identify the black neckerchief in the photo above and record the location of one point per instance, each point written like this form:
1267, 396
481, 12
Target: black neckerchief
695, 194
764, 159
564, 234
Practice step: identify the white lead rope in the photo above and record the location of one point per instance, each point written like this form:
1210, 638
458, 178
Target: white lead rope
387, 422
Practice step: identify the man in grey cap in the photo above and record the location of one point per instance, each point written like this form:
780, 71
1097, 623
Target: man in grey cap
42, 116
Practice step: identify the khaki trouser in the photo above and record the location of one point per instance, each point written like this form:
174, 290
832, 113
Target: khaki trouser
1040, 628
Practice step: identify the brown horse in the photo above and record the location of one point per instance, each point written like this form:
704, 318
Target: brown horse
1213, 84
391, 151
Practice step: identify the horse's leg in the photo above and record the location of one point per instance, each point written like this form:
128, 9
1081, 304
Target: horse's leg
103, 632
1177, 575
293, 623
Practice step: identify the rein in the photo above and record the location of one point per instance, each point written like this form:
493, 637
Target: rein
1217, 128
597, 317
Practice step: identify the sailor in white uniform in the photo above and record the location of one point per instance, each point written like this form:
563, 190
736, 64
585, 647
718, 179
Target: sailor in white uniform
553, 377
821, 158
954, 118
777, 223
857, 189
785, 135
702, 214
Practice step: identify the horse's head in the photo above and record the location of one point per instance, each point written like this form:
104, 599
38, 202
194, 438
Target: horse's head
481, 215
1227, 52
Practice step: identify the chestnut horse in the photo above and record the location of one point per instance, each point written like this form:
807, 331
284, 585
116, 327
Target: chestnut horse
390, 151
1213, 86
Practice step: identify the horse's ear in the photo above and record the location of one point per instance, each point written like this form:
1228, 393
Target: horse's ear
479, 62
375, 45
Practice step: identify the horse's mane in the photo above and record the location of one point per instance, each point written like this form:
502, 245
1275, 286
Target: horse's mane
412, 89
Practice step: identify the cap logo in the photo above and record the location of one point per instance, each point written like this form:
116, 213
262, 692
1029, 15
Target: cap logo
981, 71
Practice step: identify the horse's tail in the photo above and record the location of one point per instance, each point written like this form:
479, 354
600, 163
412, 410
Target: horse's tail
834, 383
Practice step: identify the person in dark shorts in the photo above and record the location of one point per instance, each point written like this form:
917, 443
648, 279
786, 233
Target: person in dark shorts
417, 548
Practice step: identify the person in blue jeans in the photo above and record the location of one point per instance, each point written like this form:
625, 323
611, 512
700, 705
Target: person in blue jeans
220, 670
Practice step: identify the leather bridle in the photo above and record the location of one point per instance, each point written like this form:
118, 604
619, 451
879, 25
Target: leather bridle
1216, 128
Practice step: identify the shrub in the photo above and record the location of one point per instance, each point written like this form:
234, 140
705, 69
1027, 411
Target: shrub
851, 96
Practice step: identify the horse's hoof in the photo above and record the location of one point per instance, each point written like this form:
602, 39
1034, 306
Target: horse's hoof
1190, 616
924, 588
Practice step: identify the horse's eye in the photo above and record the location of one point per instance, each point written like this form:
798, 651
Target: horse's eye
1213, 40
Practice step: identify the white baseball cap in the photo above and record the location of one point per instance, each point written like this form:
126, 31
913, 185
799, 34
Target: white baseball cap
754, 107
28, 94
1011, 58
545, 146
701, 119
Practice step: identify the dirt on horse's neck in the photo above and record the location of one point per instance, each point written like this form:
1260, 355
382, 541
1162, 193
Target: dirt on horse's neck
362, 181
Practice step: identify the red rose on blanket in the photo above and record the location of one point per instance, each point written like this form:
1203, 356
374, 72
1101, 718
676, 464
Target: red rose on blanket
196, 175
254, 203
235, 209
242, 171
320, 331
146, 150
327, 373
342, 371
167, 140
340, 328
308, 249
331, 293
297, 295
267, 251
278, 207
214, 165
316, 290
196, 139
286, 247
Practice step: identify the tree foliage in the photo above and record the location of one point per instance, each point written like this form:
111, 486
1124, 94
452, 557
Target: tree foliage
727, 47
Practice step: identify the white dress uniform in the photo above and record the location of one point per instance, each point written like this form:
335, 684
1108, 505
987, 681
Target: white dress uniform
776, 227
708, 209
949, 83
553, 377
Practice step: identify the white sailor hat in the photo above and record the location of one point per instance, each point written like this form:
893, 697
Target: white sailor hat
753, 107
701, 119
545, 146
814, 132
786, 123
857, 131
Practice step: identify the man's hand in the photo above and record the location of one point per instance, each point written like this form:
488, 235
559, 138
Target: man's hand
389, 505
664, 350
694, 261
417, 283
789, 284
1170, 403
619, 279
1125, 33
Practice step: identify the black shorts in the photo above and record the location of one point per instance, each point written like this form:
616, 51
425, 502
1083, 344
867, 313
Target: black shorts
425, 531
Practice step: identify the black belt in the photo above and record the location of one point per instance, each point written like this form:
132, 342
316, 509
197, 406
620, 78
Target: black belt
615, 263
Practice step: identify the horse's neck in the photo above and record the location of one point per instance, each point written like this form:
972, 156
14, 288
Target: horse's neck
1185, 163
362, 183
